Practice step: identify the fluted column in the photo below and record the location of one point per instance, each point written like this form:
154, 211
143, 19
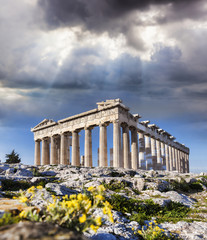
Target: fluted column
88, 148
153, 152
134, 149
159, 160
167, 157
75, 149
126, 157
45, 152
176, 159
187, 156
37, 153
103, 145
170, 158
148, 152
116, 144
163, 155
63, 149
173, 157
53, 151
142, 163
179, 162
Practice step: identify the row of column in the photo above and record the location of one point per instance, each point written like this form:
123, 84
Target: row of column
158, 155
151, 153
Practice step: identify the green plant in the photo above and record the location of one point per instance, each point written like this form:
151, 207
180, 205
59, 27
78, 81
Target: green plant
145, 210
74, 212
116, 186
154, 232
11, 185
8, 219
13, 157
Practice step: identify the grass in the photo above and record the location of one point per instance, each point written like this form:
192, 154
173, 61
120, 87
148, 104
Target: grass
145, 210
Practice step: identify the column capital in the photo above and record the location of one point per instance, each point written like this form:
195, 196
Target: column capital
88, 128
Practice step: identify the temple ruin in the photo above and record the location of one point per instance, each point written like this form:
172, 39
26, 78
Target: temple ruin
136, 144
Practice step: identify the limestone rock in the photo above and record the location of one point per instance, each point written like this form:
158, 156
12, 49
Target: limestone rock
37, 230
138, 184
59, 189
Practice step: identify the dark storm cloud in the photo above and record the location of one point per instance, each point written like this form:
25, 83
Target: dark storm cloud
105, 15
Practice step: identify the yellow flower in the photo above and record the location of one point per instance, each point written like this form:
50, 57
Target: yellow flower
140, 232
101, 188
99, 197
94, 228
72, 196
23, 199
98, 221
82, 219
39, 187
23, 214
80, 197
31, 189
90, 189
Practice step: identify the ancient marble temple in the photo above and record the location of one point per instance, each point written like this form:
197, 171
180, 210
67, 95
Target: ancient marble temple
136, 144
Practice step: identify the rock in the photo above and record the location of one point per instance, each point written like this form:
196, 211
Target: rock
23, 173
48, 173
138, 184
190, 180
37, 230
59, 189
181, 198
36, 180
10, 171
103, 236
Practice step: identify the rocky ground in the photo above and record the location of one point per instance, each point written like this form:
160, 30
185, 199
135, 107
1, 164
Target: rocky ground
178, 202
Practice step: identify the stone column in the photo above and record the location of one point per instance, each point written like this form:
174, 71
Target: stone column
126, 150
75, 149
45, 152
116, 144
163, 155
111, 157
170, 158
153, 152
88, 148
148, 152
142, 163
173, 157
37, 152
176, 159
134, 149
58, 149
63, 149
159, 160
53, 151
179, 162
167, 157
102, 145
187, 156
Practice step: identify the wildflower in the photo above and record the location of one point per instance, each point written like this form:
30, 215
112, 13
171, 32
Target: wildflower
140, 232
98, 221
82, 219
101, 188
94, 228
23, 214
90, 189
99, 197
31, 189
39, 187
23, 199
80, 197
72, 196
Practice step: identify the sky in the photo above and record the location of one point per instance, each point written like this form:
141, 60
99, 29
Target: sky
59, 57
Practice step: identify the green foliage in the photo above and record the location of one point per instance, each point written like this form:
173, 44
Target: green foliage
8, 219
116, 186
116, 174
13, 157
141, 211
74, 212
11, 185
183, 186
154, 232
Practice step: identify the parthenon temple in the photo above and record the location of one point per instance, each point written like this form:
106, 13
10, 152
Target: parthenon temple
136, 144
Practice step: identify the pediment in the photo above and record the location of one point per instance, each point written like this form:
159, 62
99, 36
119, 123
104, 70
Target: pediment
43, 124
